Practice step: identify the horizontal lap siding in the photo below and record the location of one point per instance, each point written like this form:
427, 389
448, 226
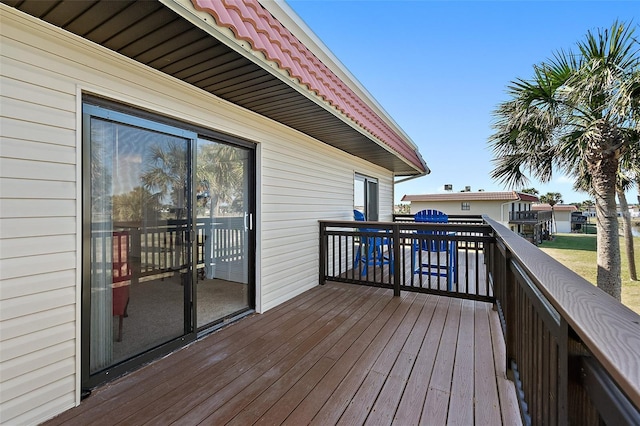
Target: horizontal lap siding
38, 240
497, 210
300, 181
303, 182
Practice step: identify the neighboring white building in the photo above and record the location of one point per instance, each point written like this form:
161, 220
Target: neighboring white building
511, 208
497, 205
561, 214
115, 118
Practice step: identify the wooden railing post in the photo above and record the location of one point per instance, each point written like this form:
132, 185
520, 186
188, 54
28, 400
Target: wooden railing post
577, 409
323, 254
396, 260
136, 255
510, 309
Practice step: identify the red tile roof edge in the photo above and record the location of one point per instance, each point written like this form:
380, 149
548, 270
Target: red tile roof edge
528, 197
251, 22
557, 207
478, 196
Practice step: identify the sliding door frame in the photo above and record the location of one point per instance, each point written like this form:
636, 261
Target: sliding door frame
191, 331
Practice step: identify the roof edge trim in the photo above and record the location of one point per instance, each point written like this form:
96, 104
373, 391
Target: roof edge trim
251, 22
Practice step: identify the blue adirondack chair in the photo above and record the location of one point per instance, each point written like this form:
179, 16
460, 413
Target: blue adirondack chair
431, 262
372, 249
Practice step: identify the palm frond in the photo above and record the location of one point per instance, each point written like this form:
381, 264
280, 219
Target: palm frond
577, 108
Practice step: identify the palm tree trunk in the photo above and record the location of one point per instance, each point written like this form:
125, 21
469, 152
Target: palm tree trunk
604, 186
628, 236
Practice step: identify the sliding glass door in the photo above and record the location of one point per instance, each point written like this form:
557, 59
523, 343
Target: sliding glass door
224, 222
139, 223
168, 237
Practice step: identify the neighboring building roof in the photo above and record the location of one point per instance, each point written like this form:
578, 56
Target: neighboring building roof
557, 207
473, 196
250, 21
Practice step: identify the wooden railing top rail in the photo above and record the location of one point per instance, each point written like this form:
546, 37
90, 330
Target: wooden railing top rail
530, 215
607, 328
405, 217
477, 227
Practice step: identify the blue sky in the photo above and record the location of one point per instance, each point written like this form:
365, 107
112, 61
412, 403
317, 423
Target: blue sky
440, 68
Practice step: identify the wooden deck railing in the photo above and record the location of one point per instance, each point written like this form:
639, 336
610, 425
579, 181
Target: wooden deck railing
530, 216
153, 250
451, 256
572, 350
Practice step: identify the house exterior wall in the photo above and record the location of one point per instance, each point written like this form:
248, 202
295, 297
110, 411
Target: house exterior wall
496, 210
561, 218
563, 221
44, 72
297, 191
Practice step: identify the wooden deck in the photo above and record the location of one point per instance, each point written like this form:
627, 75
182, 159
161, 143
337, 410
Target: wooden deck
337, 354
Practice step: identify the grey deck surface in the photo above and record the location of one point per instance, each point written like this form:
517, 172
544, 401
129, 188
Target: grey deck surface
336, 354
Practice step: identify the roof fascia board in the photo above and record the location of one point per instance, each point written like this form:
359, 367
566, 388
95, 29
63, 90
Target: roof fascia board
207, 23
509, 196
287, 16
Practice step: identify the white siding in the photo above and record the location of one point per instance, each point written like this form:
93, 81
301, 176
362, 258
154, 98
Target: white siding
37, 241
563, 221
304, 181
42, 71
497, 210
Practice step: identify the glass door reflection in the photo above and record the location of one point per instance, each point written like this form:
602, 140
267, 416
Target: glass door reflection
140, 217
223, 193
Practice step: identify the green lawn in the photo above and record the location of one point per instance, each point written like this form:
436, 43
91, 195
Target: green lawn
578, 253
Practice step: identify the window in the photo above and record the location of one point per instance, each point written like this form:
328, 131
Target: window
466, 206
365, 196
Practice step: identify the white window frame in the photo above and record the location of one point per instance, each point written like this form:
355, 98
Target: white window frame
367, 198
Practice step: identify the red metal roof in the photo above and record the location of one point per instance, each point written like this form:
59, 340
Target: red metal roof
251, 22
473, 196
528, 197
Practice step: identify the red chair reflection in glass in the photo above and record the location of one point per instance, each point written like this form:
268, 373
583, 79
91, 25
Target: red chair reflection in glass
121, 277
372, 249
426, 258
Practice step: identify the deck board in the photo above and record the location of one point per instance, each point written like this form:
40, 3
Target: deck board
337, 354
436, 405
461, 407
484, 373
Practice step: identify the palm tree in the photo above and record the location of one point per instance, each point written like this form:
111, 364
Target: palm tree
131, 206
587, 204
629, 171
220, 171
167, 174
628, 235
531, 191
552, 198
577, 114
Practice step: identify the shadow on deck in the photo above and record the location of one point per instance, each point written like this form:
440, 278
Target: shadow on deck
337, 353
